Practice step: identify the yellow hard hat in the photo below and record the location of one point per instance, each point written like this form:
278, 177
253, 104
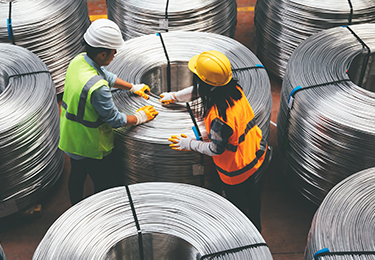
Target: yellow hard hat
211, 67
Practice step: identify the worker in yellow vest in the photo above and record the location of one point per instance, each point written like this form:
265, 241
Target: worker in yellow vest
88, 114
235, 141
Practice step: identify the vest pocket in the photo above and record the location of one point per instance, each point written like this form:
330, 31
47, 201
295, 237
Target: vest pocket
106, 137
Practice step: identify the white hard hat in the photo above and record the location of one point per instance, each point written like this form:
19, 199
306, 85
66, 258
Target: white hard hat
104, 33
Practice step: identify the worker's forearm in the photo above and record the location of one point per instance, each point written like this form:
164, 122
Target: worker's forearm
122, 84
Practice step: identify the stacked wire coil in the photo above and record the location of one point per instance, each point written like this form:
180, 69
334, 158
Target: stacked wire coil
173, 221
281, 25
2, 254
144, 150
345, 222
30, 161
326, 129
137, 18
51, 29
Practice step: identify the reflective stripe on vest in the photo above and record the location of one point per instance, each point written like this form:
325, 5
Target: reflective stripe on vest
82, 104
259, 154
249, 126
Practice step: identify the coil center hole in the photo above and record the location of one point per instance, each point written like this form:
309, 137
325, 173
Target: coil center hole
362, 71
156, 246
157, 78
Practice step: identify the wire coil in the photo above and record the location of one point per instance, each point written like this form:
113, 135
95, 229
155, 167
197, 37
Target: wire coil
137, 18
144, 150
326, 127
30, 161
51, 29
2, 254
281, 25
160, 220
344, 223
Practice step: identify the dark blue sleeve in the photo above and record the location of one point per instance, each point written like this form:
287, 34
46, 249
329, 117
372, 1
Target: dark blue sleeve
219, 136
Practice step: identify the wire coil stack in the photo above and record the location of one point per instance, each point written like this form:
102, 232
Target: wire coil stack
281, 25
173, 221
137, 18
326, 127
30, 161
144, 150
2, 254
51, 29
344, 223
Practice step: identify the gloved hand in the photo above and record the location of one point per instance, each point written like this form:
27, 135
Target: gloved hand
145, 114
167, 98
180, 143
140, 89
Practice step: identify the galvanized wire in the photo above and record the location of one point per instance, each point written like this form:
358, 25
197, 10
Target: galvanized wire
144, 150
30, 161
281, 25
329, 133
345, 220
2, 254
174, 221
137, 18
52, 30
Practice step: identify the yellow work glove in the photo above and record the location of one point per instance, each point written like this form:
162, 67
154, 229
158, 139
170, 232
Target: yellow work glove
180, 143
145, 114
140, 90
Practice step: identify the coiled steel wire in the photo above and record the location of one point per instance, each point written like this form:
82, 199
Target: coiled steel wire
173, 221
345, 221
281, 25
329, 131
137, 18
52, 30
144, 150
2, 254
30, 161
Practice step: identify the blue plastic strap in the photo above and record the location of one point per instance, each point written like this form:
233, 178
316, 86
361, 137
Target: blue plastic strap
9, 27
196, 133
291, 96
324, 250
257, 66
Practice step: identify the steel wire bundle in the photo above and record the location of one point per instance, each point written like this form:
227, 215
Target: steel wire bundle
162, 220
329, 131
52, 30
281, 25
343, 225
30, 161
2, 254
137, 18
144, 150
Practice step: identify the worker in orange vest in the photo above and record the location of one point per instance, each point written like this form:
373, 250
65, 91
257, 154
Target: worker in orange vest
235, 141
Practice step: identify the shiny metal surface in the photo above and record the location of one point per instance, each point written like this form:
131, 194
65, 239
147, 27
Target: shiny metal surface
2, 254
281, 25
330, 131
177, 221
345, 220
144, 150
52, 30
30, 161
137, 18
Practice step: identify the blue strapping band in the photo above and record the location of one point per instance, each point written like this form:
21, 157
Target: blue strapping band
9, 27
324, 250
293, 91
259, 65
196, 133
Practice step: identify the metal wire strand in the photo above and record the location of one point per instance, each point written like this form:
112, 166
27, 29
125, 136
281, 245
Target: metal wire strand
177, 221
345, 222
281, 25
30, 161
137, 18
329, 133
144, 150
2, 254
51, 29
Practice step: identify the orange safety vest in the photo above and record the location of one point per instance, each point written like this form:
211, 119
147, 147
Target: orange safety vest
245, 151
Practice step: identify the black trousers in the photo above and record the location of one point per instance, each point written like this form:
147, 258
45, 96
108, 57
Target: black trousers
245, 196
101, 172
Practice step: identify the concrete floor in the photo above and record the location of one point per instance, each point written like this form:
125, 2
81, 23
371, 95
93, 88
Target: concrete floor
286, 218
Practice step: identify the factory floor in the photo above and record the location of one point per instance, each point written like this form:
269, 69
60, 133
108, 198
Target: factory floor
286, 218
